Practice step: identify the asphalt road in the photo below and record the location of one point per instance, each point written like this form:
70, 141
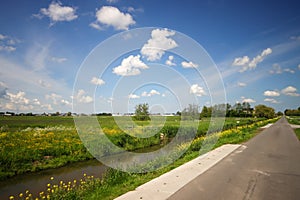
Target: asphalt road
266, 167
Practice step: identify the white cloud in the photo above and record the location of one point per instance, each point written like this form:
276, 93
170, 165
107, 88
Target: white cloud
245, 62
18, 98
190, 64
133, 96
112, 16
97, 81
7, 48
151, 93
58, 60
278, 70
247, 100
82, 98
112, 1
2, 37
271, 100
36, 102
8, 43
290, 91
197, 90
65, 102
299, 66
241, 61
170, 62
270, 93
159, 42
130, 66
96, 26
44, 83
54, 97
240, 84
56, 12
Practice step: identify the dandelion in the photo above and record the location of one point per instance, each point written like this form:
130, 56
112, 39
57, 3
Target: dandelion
52, 178
11, 197
48, 185
21, 195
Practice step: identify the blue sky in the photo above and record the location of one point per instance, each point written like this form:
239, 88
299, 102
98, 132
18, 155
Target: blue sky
46, 45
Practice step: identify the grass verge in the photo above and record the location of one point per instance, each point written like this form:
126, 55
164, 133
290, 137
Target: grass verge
297, 132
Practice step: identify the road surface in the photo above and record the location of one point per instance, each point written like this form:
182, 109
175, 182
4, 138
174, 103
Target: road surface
266, 167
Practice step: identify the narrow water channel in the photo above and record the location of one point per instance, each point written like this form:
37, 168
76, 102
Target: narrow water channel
37, 181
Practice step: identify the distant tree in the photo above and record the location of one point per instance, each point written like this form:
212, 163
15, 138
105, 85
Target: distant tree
178, 113
142, 112
191, 112
294, 112
279, 113
264, 111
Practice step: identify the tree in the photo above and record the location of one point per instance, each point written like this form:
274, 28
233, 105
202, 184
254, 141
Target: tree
264, 111
142, 112
191, 112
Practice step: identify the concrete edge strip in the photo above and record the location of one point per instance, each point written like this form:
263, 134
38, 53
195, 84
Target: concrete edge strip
167, 184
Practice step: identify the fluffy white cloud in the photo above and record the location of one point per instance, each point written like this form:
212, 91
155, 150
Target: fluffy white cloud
112, 16
133, 96
130, 66
290, 91
270, 93
2, 37
159, 42
271, 100
240, 84
151, 93
82, 98
97, 81
18, 98
56, 12
65, 102
248, 64
248, 100
197, 90
170, 62
190, 64
299, 66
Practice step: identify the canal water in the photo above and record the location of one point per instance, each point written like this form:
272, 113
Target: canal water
37, 181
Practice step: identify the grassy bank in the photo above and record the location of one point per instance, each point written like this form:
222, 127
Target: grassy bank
295, 120
116, 182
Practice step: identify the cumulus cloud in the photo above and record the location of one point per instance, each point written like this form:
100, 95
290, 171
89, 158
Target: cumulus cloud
112, 16
290, 91
197, 90
271, 100
299, 66
190, 64
58, 13
246, 64
18, 98
159, 42
97, 81
247, 100
151, 93
270, 93
82, 97
170, 62
130, 66
133, 96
